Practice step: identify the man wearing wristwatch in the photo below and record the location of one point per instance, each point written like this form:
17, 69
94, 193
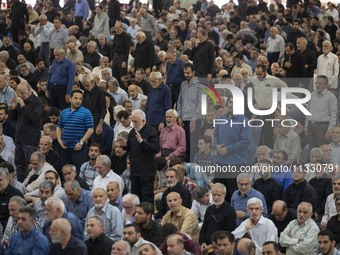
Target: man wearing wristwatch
74, 128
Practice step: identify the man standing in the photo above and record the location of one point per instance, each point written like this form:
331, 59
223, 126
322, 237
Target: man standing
203, 55
144, 54
28, 240
62, 240
6, 92
323, 107
27, 110
44, 28
60, 80
88, 170
148, 23
81, 12
142, 144
275, 46
20, 17
94, 100
159, 101
301, 235
98, 242
293, 64
75, 127
120, 52
59, 38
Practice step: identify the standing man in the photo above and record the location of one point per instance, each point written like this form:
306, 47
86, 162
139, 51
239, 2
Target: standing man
81, 12
275, 46
20, 17
144, 54
189, 103
94, 100
203, 55
59, 38
27, 110
75, 127
44, 28
142, 144
148, 23
323, 107
120, 52
60, 80
175, 74
159, 101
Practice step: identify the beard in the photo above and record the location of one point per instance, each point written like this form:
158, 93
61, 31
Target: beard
99, 205
56, 239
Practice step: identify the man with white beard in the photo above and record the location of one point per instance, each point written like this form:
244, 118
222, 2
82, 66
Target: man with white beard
62, 240
113, 220
219, 216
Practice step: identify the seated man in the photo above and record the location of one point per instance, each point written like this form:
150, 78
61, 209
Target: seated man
70, 174
113, 194
301, 235
135, 96
300, 190
330, 209
202, 199
260, 229
186, 182
333, 224
113, 221
270, 188
183, 218
63, 240
219, 216
28, 240
78, 201
172, 137
175, 245
284, 176
173, 186
271, 247
125, 123
16, 184
130, 202
241, 196
246, 246
118, 158
46, 190
121, 247
52, 157
98, 242
55, 209
327, 243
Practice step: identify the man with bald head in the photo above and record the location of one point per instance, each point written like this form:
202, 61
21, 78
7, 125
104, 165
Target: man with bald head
301, 235
27, 110
135, 97
247, 247
73, 53
62, 240
121, 247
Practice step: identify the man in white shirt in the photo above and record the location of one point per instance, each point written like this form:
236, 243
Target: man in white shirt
106, 175
133, 28
202, 200
330, 209
259, 228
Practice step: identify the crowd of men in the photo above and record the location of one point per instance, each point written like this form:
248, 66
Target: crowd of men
109, 143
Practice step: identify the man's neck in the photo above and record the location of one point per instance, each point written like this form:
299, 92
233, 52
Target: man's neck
98, 209
298, 182
145, 224
65, 241
206, 152
92, 162
336, 143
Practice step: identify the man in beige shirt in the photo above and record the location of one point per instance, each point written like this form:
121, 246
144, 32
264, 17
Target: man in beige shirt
183, 218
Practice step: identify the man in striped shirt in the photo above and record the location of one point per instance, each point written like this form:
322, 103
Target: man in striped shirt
74, 128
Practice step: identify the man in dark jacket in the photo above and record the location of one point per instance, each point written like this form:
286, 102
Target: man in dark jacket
144, 54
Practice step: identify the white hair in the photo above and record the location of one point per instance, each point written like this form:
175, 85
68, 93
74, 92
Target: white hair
56, 203
157, 75
140, 114
255, 200
173, 111
135, 199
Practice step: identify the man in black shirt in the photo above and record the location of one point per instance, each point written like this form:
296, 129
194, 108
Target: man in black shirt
120, 52
333, 224
151, 229
52, 157
20, 17
144, 54
27, 110
92, 57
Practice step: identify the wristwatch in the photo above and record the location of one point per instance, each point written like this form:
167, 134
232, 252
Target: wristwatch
81, 142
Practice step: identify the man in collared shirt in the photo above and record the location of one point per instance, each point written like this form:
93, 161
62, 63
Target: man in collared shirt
259, 228
328, 65
27, 110
323, 107
106, 175
52, 157
92, 57
240, 65
135, 97
44, 29
202, 199
58, 37
60, 80
206, 156
88, 170
63, 241
113, 194
175, 74
275, 46
81, 12
330, 209
151, 229
73, 53
148, 23
6, 92
301, 235
159, 101
335, 145
75, 127
119, 94
240, 198
141, 82
113, 220
125, 123
69, 172
78, 201
327, 242
98, 242
28, 240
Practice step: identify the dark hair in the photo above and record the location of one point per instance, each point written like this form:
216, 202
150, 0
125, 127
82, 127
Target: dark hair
238, 56
218, 235
30, 211
175, 161
16, 79
168, 229
297, 21
54, 111
275, 245
123, 114
94, 145
38, 60
199, 192
58, 18
126, 101
189, 65
56, 175
141, 70
320, 161
264, 68
76, 91
264, 160
4, 108
206, 139
284, 155
290, 45
135, 226
147, 207
14, 72
160, 163
8, 166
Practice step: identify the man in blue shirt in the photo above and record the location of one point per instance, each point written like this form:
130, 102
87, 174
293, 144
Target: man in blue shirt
75, 127
175, 74
232, 137
159, 101
81, 12
60, 80
28, 240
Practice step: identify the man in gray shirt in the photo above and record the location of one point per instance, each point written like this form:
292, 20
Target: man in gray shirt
59, 38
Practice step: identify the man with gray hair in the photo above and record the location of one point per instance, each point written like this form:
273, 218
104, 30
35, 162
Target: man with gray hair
44, 28
92, 57
104, 63
94, 101
27, 110
159, 101
60, 80
241, 196
98, 242
143, 144
7, 93
301, 235
121, 247
259, 228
